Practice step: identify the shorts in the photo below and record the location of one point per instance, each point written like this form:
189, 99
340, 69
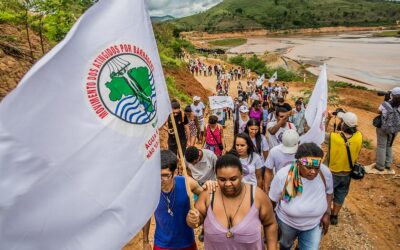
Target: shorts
201, 124
341, 186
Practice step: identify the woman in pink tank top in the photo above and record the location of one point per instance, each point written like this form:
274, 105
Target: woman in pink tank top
234, 214
214, 139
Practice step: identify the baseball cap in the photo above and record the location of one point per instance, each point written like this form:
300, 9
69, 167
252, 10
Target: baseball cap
196, 98
240, 98
396, 91
290, 141
243, 109
349, 118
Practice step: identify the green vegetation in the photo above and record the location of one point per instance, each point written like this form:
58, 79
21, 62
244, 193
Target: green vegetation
367, 143
239, 15
175, 92
229, 42
260, 67
336, 84
52, 18
390, 33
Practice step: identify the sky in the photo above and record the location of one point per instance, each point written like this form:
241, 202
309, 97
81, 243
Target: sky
179, 8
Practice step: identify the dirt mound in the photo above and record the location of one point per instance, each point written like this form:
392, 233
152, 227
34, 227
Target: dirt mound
15, 57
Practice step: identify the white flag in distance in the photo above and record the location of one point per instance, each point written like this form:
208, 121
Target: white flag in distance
219, 102
273, 78
79, 158
316, 110
260, 80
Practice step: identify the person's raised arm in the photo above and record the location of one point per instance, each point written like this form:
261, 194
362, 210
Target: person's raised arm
267, 218
274, 129
196, 216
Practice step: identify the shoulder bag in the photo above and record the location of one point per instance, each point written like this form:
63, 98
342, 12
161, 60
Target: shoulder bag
357, 170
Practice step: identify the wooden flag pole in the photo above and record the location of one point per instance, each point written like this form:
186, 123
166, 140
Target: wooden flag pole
181, 156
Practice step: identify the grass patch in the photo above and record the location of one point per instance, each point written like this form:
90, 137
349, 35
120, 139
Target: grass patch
174, 92
229, 42
390, 33
336, 84
367, 143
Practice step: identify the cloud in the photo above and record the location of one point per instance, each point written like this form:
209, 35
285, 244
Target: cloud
179, 8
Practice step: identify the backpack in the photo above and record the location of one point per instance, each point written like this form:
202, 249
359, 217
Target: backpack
391, 121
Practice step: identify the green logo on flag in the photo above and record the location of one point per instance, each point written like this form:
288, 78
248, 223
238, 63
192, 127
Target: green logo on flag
127, 88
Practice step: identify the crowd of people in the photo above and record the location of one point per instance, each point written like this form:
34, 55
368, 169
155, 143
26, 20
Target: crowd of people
267, 189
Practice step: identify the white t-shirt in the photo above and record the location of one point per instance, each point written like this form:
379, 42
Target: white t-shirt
277, 159
276, 139
303, 212
242, 125
198, 110
204, 170
264, 146
249, 168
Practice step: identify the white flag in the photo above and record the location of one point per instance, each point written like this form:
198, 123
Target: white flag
260, 80
273, 78
219, 102
79, 142
316, 110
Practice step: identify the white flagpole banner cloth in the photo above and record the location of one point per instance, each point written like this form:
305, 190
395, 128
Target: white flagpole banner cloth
260, 80
273, 78
218, 102
316, 110
79, 142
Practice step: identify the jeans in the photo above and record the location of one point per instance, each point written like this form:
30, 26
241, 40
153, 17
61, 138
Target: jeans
307, 240
384, 157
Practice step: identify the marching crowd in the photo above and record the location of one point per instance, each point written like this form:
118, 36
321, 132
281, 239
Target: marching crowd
268, 188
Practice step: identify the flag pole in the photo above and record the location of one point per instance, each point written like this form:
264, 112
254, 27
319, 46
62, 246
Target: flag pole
183, 163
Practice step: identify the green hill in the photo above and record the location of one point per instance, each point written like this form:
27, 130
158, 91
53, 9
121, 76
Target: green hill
239, 15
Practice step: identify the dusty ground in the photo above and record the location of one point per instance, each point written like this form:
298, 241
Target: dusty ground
370, 218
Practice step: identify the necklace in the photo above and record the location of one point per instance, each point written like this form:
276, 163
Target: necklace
229, 234
169, 200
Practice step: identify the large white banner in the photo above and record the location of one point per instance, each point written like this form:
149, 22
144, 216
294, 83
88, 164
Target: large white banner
79, 142
316, 110
218, 102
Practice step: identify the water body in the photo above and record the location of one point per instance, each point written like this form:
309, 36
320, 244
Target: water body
358, 58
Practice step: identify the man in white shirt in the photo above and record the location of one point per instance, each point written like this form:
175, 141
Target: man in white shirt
201, 163
298, 117
199, 111
281, 156
275, 129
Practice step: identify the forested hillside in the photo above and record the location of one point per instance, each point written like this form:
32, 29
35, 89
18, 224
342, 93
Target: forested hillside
239, 15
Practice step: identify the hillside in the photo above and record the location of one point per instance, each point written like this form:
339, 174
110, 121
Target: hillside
160, 19
239, 15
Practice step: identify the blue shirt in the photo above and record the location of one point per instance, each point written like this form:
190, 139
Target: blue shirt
172, 231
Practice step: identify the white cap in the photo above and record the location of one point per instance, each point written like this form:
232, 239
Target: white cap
396, 91
243, 109
196, 98
349, 118
290, 141
240, 98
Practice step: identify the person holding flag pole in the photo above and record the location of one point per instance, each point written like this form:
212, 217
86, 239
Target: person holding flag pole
176, 200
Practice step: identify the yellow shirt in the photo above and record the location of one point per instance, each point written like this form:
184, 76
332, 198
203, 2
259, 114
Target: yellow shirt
338, 159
